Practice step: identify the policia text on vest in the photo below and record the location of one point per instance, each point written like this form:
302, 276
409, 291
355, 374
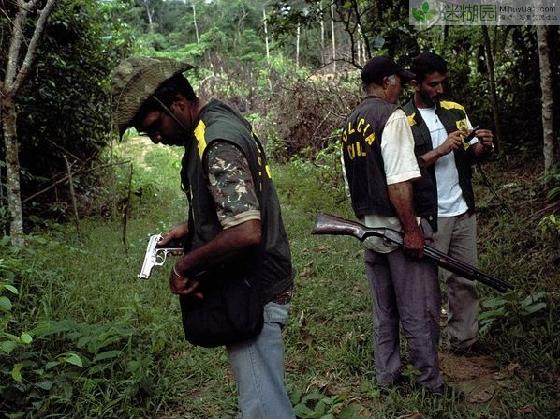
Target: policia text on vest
354, 148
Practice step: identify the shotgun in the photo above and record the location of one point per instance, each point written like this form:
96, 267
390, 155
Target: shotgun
330, 224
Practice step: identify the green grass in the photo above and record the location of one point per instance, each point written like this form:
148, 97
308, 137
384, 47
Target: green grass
82, 292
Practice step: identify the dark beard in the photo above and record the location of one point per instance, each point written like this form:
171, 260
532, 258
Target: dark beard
430, 102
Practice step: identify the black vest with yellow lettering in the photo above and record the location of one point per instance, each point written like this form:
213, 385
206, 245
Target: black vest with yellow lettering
271, 263
361, 150
363, 162
453, 117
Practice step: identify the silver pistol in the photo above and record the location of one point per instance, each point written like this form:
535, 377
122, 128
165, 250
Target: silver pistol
156, 255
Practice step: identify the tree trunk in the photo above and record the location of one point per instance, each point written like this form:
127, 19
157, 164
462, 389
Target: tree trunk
9, 122
195, 23
333, 40
266, 36
149, 12
17, 70
298, 36
546, 98
359, 50
494, 95
322, 24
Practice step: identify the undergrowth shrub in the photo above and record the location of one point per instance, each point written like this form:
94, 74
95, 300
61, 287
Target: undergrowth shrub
519, 244
525, 328
138, 186
313, 185
104, 369
305, 114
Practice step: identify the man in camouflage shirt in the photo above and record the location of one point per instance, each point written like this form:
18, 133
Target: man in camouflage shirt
233, 210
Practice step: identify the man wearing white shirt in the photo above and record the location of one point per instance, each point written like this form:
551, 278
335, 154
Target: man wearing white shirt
439, 127
385, 185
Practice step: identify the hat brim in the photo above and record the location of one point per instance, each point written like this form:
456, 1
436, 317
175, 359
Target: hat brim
149, 74
406, 76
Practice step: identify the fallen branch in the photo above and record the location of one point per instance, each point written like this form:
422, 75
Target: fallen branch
65, 178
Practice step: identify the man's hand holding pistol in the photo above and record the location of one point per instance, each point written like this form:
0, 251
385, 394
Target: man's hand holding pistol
159, 246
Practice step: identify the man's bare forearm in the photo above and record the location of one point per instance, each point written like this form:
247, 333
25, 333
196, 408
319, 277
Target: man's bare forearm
454, 140
430, 157
226, 244
400, 195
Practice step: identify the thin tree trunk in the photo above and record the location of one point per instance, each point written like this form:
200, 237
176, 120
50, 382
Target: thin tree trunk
333, 44
17, 70
13, 190
2, 201
322, 24
126, 210
193, 6
546, 98
72, 194
298, 37
359, 48
195, 24
494, 95
149, 12
266, 36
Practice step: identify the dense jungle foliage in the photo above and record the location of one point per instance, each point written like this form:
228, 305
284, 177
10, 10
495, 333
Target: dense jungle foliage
81, 337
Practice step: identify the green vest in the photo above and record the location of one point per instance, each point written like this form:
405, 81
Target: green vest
270, 264
453, 117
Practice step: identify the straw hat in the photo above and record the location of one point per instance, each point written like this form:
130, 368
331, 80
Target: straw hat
134, 80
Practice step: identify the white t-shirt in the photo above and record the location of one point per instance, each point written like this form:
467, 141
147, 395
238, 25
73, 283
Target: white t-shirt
449, 193
400, 164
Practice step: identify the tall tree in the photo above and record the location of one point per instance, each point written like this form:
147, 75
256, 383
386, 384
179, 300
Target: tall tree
322, 26
333, 41
195, 22
547, 98
18, 67
266, 35
492, 76
150, 14
298, 37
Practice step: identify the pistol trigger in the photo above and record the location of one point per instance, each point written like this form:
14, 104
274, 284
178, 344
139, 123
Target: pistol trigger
160, 258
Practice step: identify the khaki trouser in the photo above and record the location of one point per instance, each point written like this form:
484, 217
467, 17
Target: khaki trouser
456, 236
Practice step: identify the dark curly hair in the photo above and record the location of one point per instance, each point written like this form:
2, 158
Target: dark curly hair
426, 63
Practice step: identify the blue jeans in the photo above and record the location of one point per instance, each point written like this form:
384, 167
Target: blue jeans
258, 367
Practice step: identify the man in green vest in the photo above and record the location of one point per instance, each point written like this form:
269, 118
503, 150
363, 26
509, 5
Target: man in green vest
439, 127
234, 229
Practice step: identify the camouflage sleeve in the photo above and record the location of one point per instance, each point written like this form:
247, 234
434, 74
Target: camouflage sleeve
231, 185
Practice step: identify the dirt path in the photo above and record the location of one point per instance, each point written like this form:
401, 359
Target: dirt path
478, 376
